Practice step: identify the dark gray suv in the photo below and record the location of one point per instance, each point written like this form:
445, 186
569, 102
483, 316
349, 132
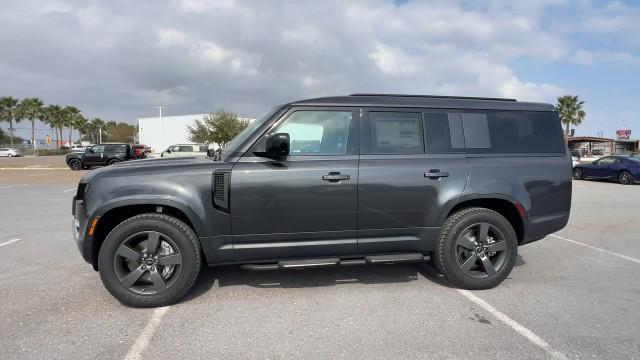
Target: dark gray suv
348, 180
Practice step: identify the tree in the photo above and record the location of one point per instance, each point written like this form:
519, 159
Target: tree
219, 127
569, 108
82, 124
8, 107
97, 126
121, 132
31, 109
71, 114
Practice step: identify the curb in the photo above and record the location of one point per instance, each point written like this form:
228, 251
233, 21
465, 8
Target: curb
34, 168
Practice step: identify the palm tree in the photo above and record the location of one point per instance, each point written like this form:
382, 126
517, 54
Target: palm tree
56, 119
8, 107
569, 108
81, 124
98, 125
32, 109
71, 116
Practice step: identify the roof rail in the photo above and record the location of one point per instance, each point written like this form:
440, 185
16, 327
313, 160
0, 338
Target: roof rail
436, 97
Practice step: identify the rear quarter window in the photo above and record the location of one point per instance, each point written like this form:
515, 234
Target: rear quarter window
513, 132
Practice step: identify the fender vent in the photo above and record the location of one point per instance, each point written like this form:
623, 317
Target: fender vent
220, 190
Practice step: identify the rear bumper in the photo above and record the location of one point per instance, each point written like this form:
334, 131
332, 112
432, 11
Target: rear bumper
539, 227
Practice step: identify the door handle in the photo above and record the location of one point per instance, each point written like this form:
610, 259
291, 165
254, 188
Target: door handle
335, 177
436, 174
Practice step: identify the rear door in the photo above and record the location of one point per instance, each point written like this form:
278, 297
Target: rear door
303, 205
412, 164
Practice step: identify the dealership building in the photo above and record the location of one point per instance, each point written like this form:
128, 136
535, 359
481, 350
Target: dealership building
162, 131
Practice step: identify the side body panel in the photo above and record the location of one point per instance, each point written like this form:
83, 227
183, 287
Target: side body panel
541, 184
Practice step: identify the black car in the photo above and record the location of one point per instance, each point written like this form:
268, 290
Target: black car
335, 181
100, 155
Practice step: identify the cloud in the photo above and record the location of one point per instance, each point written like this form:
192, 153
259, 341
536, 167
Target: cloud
119, 59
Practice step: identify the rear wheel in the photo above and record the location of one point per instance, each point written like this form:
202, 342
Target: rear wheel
577, 173
150, 260
75, 164
10, 155
625, 178
477, 248
113, 161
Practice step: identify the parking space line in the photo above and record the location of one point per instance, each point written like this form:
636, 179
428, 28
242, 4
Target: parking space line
597, 249
139, 347
530, 335
12, 241
70, 190
12, 186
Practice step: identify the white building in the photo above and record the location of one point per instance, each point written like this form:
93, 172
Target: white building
160, 133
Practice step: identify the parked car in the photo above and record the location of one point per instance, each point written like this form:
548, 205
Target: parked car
624, 169
141, 151
182, 150
349, 180
100, 155
10, 152
78, 148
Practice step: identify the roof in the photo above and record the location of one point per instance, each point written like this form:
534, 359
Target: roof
589, 138
428, 101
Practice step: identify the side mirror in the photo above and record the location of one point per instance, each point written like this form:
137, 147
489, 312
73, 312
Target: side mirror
91, 151
277, 145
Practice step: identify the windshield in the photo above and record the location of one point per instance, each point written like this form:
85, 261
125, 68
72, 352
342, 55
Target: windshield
233, 145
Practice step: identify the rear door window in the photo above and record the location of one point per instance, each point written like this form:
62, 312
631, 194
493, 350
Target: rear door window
513, 132
396, 133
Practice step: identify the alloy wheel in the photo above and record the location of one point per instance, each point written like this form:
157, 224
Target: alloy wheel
577, 174
75, 165
147, 262
481, 250
624, 178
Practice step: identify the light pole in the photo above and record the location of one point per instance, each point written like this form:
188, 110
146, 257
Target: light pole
161, 132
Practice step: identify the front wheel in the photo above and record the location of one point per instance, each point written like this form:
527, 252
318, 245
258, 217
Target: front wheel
150, 260
625, 178
477, 249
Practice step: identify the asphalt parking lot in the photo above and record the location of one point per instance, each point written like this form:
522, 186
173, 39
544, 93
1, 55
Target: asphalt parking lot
574, 295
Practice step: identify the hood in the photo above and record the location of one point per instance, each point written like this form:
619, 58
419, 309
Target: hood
155, 167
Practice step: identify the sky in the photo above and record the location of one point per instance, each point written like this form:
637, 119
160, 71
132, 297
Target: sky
119, 59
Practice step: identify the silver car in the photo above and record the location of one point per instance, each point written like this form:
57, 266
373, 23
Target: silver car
10, 152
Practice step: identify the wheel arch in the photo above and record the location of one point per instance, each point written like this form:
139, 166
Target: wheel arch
502, 204
115, 214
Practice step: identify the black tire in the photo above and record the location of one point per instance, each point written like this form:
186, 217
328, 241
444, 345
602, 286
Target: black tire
113, 161
625, 178
577, 173
75, 164
115, 264
10, 155
468, 269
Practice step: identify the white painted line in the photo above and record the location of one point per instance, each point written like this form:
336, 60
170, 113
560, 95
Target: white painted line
12, 186
530, 335
70, 190
138, 348
34, 166
12, 241
597, 249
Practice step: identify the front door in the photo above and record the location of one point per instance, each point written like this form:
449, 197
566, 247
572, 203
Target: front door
411, 166
303, 205
94, 156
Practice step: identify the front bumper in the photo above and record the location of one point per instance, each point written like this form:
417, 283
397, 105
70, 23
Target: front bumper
79, 223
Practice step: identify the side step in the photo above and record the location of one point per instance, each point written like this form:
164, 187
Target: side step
395, 258
311, 263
